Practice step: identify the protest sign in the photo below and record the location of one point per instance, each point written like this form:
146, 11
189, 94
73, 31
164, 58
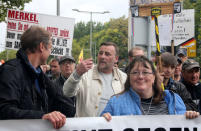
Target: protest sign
61, 28
179, 28
118, 123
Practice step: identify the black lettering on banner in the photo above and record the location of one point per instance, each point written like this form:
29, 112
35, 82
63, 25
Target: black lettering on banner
57, 51
17, 45
10, 35
144, 129
53, 41
128, 129
64, 42
8, 44
175, 129
19, 36
160, 129
67, 51
58, 42
187, 129
105, 130
99, 130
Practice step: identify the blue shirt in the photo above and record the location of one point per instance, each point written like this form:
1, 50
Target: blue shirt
128, 103
38, 71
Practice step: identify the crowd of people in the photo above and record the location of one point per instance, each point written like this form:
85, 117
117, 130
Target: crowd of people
30, 90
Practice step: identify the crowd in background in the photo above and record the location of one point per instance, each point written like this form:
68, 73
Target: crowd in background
31, 89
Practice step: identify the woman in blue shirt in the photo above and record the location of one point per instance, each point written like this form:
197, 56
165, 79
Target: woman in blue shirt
143, 94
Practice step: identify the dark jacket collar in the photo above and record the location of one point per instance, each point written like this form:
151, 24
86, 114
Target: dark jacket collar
24, 59
170, 84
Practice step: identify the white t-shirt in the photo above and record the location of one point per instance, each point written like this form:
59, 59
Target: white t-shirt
107, 91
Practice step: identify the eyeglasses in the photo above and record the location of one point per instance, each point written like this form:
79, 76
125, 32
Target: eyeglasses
144, 73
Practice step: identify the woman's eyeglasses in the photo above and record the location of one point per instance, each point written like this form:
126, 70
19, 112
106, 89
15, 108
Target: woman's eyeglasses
144, 73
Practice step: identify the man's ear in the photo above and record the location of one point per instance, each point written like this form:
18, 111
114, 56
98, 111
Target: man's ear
41, 47
116, 59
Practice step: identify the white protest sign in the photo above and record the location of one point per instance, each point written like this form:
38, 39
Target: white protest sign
61, 28
184, 26
119, 123
181, 31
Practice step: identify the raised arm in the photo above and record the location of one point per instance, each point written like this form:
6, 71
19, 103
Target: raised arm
71, 86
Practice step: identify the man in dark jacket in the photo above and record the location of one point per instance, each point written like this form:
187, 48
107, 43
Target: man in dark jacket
26, 93
54, 69
67, 66
190, 78
169, 63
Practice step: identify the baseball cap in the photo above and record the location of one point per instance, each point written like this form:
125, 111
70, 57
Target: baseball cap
182, 51
190, 64
64, 58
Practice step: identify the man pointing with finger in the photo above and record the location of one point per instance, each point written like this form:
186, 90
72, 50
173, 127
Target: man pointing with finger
93, 86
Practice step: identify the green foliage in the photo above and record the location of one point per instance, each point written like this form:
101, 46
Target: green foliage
188, 4
82, 29
116, 30
10, 53
10, 4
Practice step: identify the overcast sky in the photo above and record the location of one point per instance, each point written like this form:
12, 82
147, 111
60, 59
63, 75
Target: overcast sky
117, 8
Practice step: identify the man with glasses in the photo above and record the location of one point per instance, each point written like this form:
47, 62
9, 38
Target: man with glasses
94, 85
190, 78
169, 63
67, 66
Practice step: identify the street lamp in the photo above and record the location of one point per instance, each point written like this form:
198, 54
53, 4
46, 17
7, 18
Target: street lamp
91, 12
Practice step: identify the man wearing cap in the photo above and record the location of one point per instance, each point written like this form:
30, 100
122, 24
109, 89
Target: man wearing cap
190, 78
182, 53
94, 85
67, 66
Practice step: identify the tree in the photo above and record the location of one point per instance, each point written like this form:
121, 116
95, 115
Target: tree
81, 29
11, 54
10, 4
116, 30
196, 4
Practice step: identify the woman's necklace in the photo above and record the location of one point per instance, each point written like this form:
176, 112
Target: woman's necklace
146, 113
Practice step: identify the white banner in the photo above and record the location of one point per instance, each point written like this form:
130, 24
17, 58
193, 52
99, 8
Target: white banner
181, 31
121, 123
61, 28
